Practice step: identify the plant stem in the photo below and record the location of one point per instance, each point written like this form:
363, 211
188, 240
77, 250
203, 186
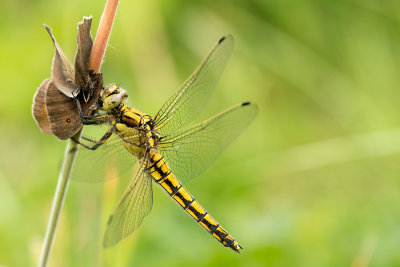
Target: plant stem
96, 58
103, 33
62, 186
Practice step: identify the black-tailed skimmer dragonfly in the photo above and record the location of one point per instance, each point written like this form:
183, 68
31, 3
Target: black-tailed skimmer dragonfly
166, 153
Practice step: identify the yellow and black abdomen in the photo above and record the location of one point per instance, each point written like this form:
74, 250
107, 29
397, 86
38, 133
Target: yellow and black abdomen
162, 174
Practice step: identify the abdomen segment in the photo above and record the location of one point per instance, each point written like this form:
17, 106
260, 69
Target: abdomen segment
161, 173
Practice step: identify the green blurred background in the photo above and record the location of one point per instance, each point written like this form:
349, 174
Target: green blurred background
314, 181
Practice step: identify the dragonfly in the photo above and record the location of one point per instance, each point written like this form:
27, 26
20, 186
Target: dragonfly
167, 152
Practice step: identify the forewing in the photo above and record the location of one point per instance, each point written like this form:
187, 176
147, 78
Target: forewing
135, 204
189, 100
189, 152
108, 161
85, 44
63, 73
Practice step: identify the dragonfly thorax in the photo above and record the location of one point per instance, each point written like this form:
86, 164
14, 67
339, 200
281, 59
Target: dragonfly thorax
133, 117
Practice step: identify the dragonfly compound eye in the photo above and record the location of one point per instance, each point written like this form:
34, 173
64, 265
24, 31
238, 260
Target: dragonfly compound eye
113, 96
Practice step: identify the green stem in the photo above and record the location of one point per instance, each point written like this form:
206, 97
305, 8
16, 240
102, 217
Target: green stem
62, 186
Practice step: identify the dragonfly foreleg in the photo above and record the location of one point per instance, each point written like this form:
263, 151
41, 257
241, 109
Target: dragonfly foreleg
95, 119
96, 143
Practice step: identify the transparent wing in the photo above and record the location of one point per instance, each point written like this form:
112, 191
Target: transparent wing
135, 204
189, 100
189, 152
108, 161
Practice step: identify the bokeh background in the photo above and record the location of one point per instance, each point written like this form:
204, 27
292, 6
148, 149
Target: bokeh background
314, 181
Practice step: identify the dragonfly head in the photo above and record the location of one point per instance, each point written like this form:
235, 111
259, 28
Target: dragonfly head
112, 96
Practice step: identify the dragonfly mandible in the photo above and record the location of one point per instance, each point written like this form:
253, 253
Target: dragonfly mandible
166, 154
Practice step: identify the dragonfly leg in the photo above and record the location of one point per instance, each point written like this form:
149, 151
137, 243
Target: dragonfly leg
96, 143
95, 119
88, 139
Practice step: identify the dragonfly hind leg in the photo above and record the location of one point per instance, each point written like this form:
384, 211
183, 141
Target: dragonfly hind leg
102, 140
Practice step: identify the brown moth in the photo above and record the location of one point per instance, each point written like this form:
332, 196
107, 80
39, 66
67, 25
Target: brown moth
54, 108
